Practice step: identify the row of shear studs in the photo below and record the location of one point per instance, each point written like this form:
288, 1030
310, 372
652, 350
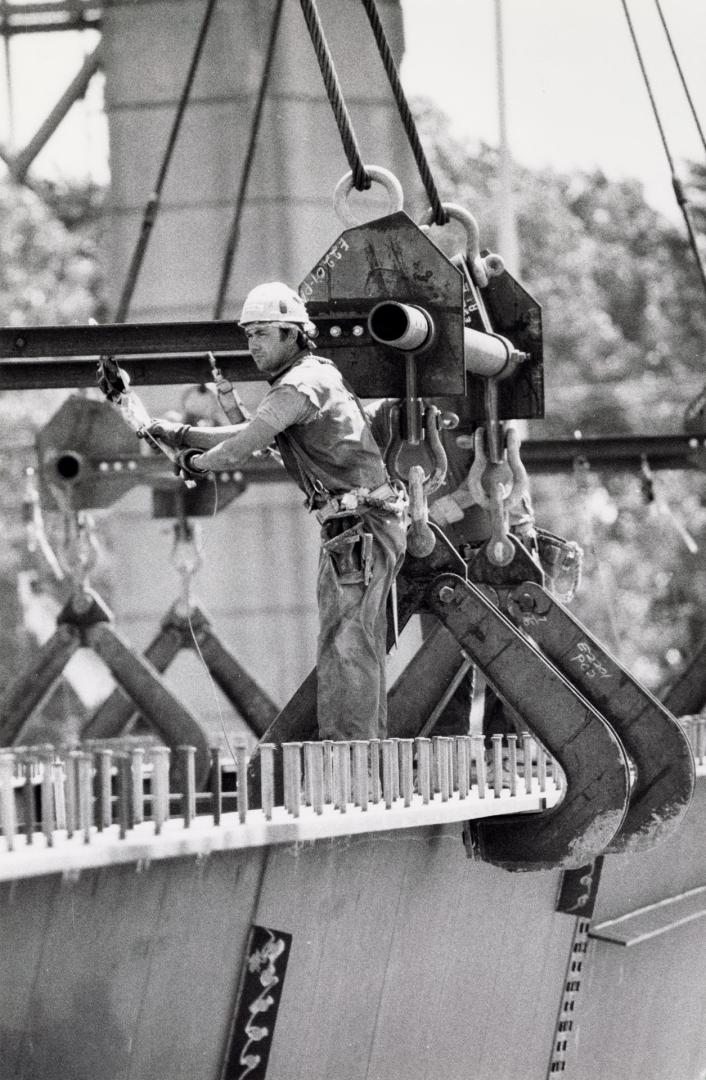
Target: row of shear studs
83, 791
362, 773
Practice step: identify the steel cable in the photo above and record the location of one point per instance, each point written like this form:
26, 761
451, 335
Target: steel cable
681, 76
440, 217
679, 193
361, 179
234, 233
152, 206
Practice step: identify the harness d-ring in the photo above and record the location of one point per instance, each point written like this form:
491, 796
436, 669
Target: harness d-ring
481, 268
345, 185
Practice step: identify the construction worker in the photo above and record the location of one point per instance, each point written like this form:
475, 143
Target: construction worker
327, 447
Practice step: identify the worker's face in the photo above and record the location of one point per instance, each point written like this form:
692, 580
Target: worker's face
270, 346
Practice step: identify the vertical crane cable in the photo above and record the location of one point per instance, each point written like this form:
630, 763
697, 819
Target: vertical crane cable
440, 216
676, 182
153, 202
361, 179
682, 77
234, 233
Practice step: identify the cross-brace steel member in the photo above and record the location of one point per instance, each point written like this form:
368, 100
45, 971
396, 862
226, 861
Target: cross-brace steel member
180, 631
85, 621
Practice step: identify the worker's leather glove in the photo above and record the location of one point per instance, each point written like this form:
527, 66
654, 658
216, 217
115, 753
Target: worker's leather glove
184, 464
168, 432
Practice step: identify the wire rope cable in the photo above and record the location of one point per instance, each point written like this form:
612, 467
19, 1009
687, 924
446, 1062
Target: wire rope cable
361, 179
676, 182
234, 233
682, 77
153, 202
440, 217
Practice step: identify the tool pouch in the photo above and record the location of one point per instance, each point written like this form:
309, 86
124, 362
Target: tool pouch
350, 550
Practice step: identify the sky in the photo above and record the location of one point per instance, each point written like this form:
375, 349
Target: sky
575, 95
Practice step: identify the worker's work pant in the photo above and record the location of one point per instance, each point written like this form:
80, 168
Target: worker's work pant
352, 648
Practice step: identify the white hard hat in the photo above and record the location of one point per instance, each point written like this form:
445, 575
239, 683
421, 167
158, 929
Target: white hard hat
274, 302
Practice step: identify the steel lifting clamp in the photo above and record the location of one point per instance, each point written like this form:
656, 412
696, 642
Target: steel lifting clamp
589, 752
658, 752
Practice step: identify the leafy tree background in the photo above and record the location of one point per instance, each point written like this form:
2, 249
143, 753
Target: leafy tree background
625, 336
49, 274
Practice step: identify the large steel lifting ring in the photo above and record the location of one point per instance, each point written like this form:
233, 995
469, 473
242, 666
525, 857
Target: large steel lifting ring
481, 267
382, 176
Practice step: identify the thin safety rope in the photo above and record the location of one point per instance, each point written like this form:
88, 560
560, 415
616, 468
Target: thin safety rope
234, 233
440, 216
676, 182
681, 76
152, 206
361, 179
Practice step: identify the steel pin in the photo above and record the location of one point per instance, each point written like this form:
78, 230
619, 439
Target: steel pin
241, 768
216, 784
512, 761
137, 784
291, 758
314, 759
478, 743
267, 778
160, 756
188, 781
8, 817
406, 748
527, 742
463, 763
497, 752
47, 797
360, 773
28, 770
375, 783
424, 768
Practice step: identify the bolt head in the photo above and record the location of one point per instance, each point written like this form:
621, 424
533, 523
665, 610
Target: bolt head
446, 594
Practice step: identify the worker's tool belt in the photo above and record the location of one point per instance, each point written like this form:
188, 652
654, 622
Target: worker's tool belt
386, 497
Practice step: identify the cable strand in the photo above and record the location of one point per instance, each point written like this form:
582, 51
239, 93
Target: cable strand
679, 193
153, 202
440, 216
234, 234
361, 179
682, 77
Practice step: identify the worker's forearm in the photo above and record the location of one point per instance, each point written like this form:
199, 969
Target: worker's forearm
234, 451
203, 438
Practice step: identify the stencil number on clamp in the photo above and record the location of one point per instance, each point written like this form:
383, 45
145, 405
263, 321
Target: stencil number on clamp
589, 662
317, 275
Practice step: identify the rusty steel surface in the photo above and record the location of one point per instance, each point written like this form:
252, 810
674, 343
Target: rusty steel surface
388, 258
597, 778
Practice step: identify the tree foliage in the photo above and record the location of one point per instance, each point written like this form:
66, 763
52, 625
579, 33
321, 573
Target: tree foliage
49, 274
